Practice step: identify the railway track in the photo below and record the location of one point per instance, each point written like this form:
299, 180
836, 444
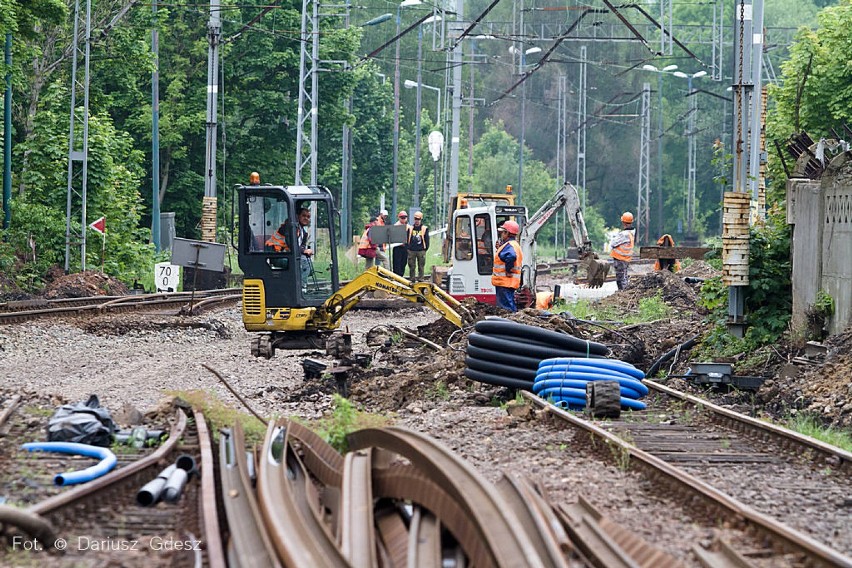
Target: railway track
677, 460
784, 475
20, 312
100, 522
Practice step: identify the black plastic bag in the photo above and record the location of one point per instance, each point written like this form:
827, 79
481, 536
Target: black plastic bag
83, 422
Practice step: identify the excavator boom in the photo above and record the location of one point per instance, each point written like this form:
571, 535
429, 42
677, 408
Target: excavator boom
328, 315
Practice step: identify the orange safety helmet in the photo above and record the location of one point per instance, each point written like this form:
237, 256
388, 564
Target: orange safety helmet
254, 178
511, 227
627, 217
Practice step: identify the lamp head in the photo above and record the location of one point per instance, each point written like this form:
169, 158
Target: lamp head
669, 68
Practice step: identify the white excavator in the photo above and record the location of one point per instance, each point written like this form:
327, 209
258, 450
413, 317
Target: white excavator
473, 245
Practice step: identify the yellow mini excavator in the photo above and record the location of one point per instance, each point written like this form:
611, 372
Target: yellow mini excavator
288, 254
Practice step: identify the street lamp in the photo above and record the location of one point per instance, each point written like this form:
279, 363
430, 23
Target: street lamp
653, 69
403, 4
415, 201
690, 176
409, 84
513, 50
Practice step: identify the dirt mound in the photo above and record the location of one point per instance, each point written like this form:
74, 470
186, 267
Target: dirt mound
674, 291
823, 390
700, 269
10, 291
83, 284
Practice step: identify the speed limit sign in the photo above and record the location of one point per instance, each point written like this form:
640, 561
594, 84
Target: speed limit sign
166, 277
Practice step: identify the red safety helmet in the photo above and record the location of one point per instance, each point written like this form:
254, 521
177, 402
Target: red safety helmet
627, 217
511, 227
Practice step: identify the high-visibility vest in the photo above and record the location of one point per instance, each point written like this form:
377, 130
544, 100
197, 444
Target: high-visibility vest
365, 243
499, 277
277, 242
421, 231
624, 251
667, 241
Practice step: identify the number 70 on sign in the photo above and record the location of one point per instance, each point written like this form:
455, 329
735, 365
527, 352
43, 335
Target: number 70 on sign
166, 277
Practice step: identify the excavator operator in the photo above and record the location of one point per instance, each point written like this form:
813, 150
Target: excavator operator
506, 276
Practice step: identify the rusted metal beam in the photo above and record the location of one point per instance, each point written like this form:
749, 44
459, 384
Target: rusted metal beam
674, 252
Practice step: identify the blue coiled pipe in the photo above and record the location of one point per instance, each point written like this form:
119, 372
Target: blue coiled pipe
106, 464
563, 380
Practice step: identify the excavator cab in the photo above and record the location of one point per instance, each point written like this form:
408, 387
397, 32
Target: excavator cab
281, 285
472, 247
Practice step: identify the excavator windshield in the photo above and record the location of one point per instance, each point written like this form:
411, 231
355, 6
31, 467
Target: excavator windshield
287, 242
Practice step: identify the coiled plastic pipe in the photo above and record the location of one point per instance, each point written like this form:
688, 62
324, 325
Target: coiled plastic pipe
563, 380
106, 464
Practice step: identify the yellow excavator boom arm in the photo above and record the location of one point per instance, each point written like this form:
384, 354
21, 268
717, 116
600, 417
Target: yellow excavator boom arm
377, 278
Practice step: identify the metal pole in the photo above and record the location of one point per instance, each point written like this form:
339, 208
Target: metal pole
415, 201
7, 137
155, 133
690, 185
208, 211
660, 157
523, 133
396, 116
456, 64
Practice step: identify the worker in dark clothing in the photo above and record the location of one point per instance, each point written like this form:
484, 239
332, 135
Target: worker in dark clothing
400, 251
506, 276
418, 244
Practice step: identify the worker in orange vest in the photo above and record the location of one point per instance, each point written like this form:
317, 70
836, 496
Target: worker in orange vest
670, 264
506, 275
621, 246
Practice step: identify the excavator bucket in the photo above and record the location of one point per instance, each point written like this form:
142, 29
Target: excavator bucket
596, 270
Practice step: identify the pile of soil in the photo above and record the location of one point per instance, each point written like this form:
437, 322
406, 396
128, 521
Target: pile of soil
83, 284
699, 269
674, 291
10, 291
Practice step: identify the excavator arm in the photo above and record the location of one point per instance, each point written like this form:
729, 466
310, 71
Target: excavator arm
329, 313
568, 199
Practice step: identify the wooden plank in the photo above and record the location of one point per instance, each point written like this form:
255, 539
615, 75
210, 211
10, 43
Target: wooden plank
673, 252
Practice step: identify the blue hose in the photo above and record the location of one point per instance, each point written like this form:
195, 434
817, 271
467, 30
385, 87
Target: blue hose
107, 458
540, 385
640, 389
563, 380
611, 364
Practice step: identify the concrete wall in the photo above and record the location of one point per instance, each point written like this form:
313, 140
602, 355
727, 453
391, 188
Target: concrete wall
836, 188
804, 212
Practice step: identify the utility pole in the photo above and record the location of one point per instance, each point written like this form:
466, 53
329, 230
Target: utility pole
690, 167
581, 128
7, 137
208, 207
643, 209
155, 131
306, 131
78, 151
455, 30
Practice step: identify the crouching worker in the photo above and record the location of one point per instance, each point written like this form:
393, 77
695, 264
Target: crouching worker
670, 264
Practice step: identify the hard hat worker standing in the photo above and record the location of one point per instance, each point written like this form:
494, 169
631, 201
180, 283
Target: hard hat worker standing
399, 254
506, 275
622, 249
